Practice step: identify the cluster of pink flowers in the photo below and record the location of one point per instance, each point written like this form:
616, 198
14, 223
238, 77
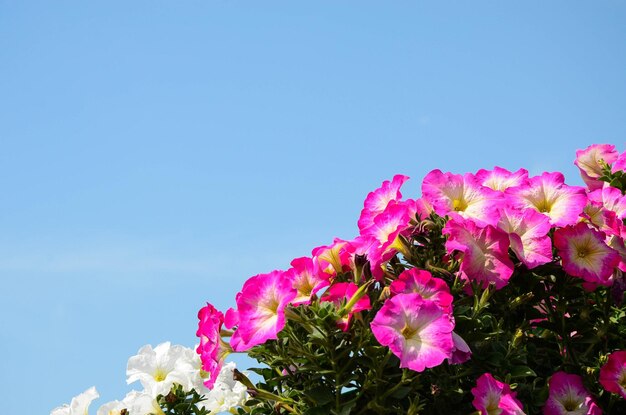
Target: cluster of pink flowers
491, 213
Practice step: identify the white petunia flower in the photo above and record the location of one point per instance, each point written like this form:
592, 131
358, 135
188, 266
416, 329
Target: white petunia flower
159, 368
141, 403
112, 408
227, 394
79, 405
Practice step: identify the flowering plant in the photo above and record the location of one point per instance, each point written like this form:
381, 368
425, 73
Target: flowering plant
493, 293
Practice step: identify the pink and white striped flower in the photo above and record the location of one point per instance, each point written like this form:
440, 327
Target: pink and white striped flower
568, 396
585, 254
494, 397
376, 201
589, 163
548, 194
613, 373
461, 197
485, 252
501, 179
261, 309
528, 235
418, 331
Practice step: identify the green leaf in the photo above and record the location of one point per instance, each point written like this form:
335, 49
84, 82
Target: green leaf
320, 395
521, 372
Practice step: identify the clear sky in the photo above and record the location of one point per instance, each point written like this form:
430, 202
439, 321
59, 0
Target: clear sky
155, 154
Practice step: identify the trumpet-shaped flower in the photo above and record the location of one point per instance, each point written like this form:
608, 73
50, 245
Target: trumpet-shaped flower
141, 403
610, 198
548, 194
227, 394
528, 235
501, 179
461, 197
308, 279
613, 373
493, 397
79, 404
423, 283
589, 161
261, 309
333, 259
461, 351
212, 349
485, 251
585, 254
340, 294
568, 396
159, 368
376, 201
418, 331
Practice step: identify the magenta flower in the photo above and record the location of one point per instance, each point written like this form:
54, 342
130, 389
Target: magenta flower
485, 252
528, 235
620, 163
613, 373
377, 201
461, 197
261, 309
493, 397
501, 179
212, 349
548, 194
585, 254
308, 279
461, 351
423, 283
418, 331
588, 161
568, 396
340, 294
333, 259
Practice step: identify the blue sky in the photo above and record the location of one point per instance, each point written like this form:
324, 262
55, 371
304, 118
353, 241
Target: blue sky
155, 154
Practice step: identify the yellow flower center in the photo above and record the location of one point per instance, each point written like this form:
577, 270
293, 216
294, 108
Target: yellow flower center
459, 205
160, 375
408, 332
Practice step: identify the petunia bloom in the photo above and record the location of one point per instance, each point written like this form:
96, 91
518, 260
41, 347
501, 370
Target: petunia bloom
568, 396
212, 349
528, 235
585, 254
461, 197
589, 162
418, 331
261, 309
423, 283
501, 179
548, 194
613, 373
308, 279
494, 397
376, 201
340, 294
485, 251
79, 405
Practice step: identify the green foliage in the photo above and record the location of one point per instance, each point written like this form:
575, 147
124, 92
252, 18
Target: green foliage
180, 402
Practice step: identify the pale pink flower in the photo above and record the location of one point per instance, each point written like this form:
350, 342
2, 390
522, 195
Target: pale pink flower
613, 373
418, 331
423, 283
212, 349
568, 396
585, 254
485, 252
493, 397
461, 197
340, 294
528, 235
588, 161
501, 179
308, 279
377, 201
261, 309
548, 194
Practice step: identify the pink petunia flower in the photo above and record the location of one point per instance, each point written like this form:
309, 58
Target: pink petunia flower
620, 163
501, 179
585, 254
548, 194
261, 309
212, 349
461, 351
418, 331
610, 198
588, 161
461, 197
376, 201
568, 396
333, 259
528, 235
613, 373
494, 397
340, 294
485, 251
423, 283
308, 279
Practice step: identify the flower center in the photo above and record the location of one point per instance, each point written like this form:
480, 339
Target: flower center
408, 332
160, 375
571, 404
459, 205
